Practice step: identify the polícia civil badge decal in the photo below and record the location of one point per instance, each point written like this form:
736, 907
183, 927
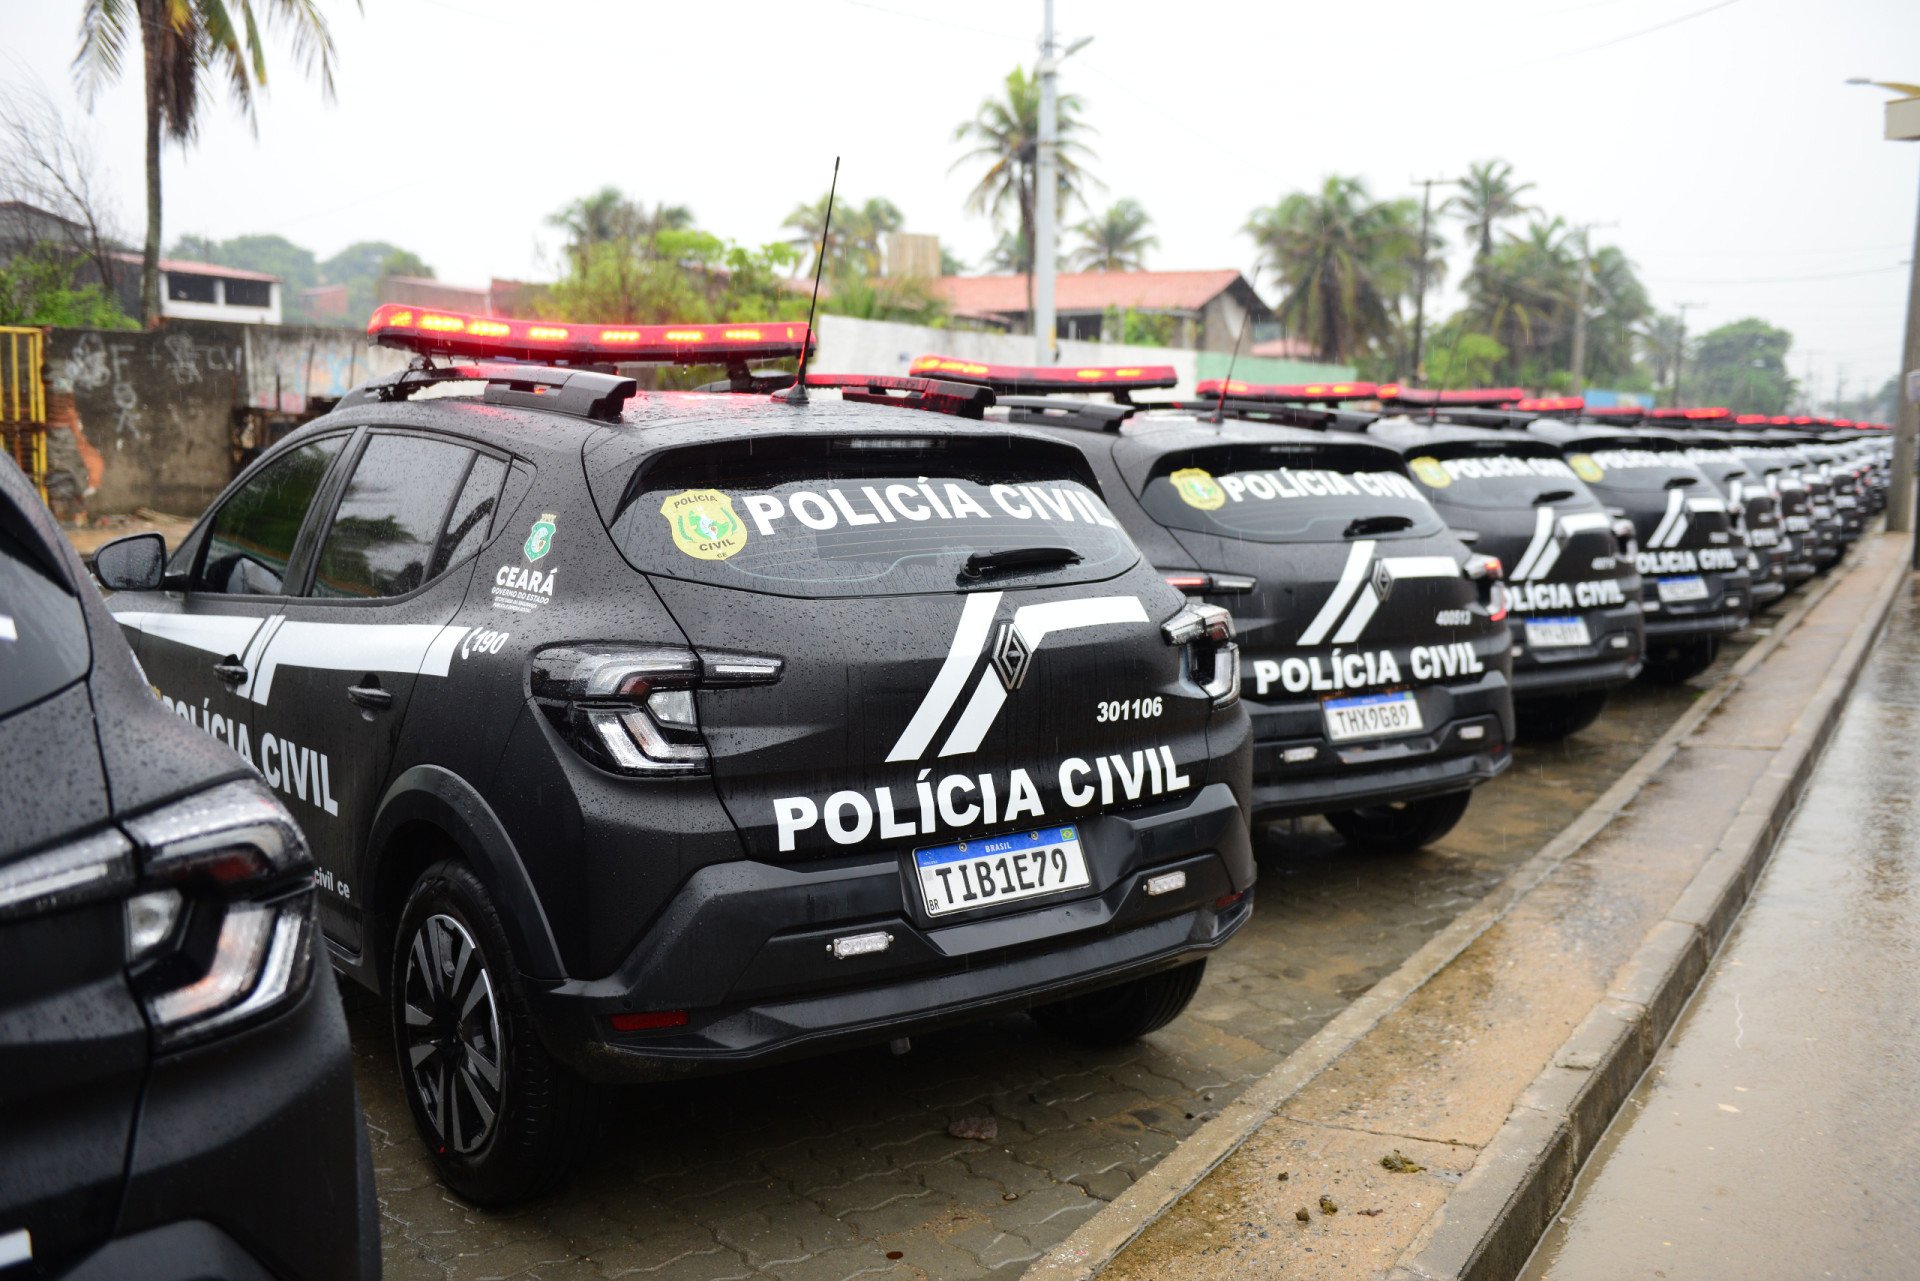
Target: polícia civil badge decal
540, 537
1198, 489
704, 523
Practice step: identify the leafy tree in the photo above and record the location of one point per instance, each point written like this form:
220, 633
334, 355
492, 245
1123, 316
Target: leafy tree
274, 255
1742, 366
37, 288
1344, 260
1461, 357
1488, 196
360, 266
1005, 133
607, 216
402, 262
1658, 340
685, 275
856, 245
951, 264
183, 43
1116, 240
1617, 306
898, 298
1522, 296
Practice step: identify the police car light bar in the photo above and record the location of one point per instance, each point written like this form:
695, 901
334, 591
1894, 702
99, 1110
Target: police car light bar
1045, 380
431, 331
1698, 413
1552, 404
1752, 420
1295, 393
1394, 393
1615, 413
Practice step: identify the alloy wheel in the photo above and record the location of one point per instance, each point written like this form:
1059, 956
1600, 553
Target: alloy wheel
452, 1034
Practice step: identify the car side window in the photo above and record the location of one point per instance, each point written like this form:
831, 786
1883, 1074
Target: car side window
383, 536
472, 520
252, 536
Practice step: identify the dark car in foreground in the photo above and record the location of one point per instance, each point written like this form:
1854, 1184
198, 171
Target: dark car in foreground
646, 733
176, 1094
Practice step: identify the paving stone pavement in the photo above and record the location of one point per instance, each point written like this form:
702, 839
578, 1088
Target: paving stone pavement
843, 1167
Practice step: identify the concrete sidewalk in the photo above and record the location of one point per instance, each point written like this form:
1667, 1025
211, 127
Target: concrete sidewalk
1776, 1135
1491, 1063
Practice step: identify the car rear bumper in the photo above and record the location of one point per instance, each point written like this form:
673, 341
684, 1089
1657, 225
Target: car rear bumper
745, 949
1612, 657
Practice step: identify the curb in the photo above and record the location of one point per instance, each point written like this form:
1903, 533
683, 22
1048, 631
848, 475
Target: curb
1540, 1164
1490, 1224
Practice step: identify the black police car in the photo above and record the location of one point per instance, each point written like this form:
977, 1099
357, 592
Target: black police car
1572, 588
1752, 506
1695, 585
176, 1093
640, 733
1771, 468
1375, 656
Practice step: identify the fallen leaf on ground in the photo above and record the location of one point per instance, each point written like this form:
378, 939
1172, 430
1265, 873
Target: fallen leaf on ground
984, 1128
1327, 1206
1400, 1163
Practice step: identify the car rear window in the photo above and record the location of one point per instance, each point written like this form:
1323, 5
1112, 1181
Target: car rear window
43, 632
820, 517
1495, 480
1630, 470
1285, 493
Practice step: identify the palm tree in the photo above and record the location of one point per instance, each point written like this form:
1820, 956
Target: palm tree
1523, 296
1343, 259
1116, 240
1659, 339
1006, 133
1617, 306
601, 218
855, 246
182, 42
1488, 196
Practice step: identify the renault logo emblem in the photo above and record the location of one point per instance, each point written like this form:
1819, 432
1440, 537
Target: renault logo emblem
1011, 657
1382, 581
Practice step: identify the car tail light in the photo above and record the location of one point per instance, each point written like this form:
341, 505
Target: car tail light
1214, 656
1199, 582
220, 930
630, 709
1489, 573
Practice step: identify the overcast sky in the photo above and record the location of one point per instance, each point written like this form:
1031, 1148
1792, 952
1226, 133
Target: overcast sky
1743, 175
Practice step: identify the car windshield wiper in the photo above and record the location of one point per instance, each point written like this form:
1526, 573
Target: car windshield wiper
1376, 525
1552, 496
1013, 559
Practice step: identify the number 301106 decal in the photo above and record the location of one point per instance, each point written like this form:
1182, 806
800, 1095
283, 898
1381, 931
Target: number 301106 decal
1127, 709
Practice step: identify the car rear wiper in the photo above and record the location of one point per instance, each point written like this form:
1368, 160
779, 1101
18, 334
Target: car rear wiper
1376, 525
1680, 482
1552, 496
1013, 559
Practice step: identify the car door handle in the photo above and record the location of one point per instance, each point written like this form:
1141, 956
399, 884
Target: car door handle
371, 697
231, 670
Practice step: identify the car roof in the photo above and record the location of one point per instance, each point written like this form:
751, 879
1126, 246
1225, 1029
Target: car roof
1406, 433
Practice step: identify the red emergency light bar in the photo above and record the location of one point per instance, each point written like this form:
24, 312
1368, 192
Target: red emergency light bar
1780, 420
1698, 413
1845, 422
1298, 393
1801, 420
1045, 380
1553, 404
1749, 420
938, 395
1482, 396
431, 330
1625, 413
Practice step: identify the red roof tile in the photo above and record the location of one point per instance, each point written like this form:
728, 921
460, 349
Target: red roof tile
189, 267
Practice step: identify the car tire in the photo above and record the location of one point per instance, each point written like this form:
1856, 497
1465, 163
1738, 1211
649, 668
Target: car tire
1401, 828
457, 1010
1127, 1011
1679, 661
1548, 720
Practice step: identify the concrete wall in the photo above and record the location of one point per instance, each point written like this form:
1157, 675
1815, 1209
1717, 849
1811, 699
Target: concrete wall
159, 406
851, 346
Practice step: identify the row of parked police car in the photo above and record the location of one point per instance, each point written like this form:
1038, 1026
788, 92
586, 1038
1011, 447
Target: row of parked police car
611, 735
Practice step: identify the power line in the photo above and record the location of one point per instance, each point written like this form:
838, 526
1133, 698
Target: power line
1635, 35
1783, 280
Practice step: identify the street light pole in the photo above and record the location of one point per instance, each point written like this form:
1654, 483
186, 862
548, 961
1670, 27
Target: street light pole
1580, 308
1420, 298
1046, 195
1680, 349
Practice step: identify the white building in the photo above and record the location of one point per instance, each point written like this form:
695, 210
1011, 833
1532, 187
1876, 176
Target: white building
206, 291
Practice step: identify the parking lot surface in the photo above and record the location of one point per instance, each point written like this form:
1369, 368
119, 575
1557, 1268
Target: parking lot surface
845, 1166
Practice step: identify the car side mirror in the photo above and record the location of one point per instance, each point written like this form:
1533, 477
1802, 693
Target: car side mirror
136, 563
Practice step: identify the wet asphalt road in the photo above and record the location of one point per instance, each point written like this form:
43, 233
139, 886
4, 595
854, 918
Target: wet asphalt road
1776, 1135
843, 1166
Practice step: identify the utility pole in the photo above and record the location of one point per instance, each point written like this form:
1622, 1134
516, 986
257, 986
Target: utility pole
1416, 374
1046, 196
1580, 307
1680, 349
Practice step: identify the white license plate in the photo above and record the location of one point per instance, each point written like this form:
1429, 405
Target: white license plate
1000, 869
1371, 716
1545, 633
1686, 587
1823, 512
1798, 524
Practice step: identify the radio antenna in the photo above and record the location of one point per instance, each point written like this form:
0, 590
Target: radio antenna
797, 394
1220, 409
